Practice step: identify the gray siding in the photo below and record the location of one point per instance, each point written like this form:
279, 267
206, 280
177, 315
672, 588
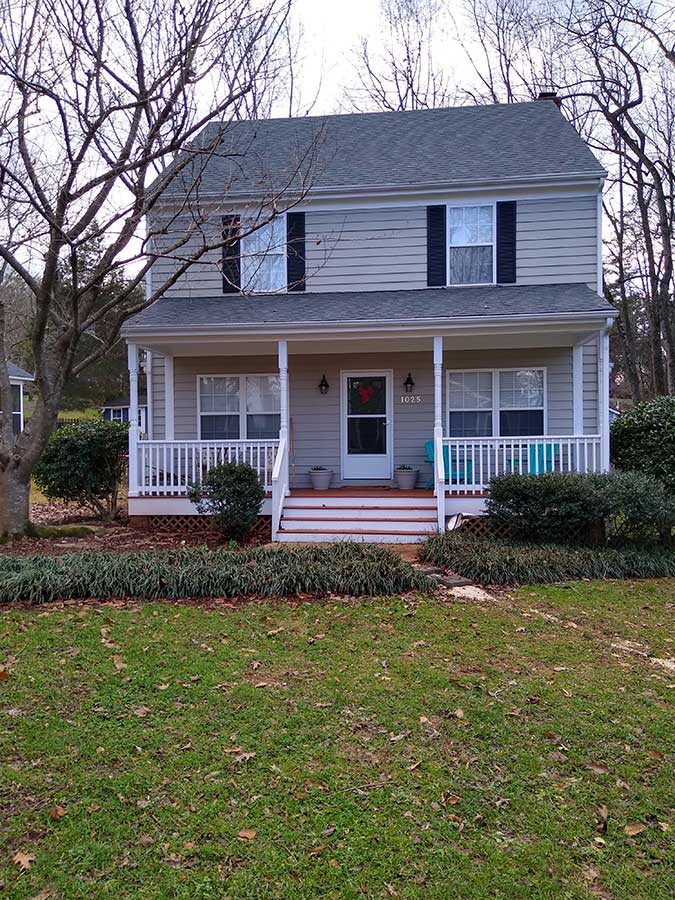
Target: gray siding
362, 249
556, 241
378, 248
316, 418
158, 397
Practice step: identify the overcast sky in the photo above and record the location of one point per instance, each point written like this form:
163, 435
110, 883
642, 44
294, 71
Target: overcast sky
332, 30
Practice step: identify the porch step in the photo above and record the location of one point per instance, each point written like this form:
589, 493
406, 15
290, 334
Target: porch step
375, 516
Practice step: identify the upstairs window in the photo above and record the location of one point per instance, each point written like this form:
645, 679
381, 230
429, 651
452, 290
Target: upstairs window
263, 258
471, 245
239, 407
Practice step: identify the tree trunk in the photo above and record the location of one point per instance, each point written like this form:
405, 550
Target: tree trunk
14, 502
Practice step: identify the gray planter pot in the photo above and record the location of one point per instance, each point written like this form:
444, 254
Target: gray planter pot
406, 479
321, 480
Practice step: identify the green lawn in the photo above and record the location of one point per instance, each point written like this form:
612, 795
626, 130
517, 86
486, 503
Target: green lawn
389, 748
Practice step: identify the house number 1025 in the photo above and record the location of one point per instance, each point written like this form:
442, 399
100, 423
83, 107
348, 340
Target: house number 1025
411, 398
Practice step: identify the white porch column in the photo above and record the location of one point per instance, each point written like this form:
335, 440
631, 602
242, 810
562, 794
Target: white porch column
439, 468
169, 404
578, 388
283, 390
284, 415
132, 358
150, 400
603, 397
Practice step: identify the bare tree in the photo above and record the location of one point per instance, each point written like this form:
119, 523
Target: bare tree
611, 63
403, 73
102, 115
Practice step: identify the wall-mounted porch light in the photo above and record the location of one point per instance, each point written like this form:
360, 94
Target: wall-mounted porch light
323, 385
409, 384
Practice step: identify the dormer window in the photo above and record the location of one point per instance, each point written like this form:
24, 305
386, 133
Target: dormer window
263, 258
471, 244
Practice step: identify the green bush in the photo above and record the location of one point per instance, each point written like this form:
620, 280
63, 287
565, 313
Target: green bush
643, 440
492, 561
353, 569
85, 463
632, 506
233, 495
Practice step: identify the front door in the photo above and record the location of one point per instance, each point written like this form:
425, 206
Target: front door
366, 427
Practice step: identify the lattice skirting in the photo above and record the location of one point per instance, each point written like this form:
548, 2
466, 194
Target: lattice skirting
484, 526
262, 530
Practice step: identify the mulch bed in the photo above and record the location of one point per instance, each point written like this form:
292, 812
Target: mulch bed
118, 536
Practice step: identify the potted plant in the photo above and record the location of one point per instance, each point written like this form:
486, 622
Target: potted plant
406, 477
321, 477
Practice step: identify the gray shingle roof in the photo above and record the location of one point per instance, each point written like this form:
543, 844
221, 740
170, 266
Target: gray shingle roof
399, 149
16, 372
370, 307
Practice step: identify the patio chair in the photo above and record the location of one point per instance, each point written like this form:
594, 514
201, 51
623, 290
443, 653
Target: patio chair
457, 476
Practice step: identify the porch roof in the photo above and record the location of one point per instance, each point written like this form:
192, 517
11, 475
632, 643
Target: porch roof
17, 373
369, 308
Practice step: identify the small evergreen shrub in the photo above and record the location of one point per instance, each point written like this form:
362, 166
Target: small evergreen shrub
631, 506
493, 561
85, 463
233, 495
643, 440
352, 569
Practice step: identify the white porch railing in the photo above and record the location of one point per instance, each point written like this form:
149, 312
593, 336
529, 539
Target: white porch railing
470, 463
279, 485
169, 467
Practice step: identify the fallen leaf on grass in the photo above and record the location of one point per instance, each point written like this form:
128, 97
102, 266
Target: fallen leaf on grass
557, 756
274, 631
244, 757
23, 860
634, 828
452, 799
395, 738
654, 754
247, 834
231, 749
516, 711
459, 713
317, 850
57, 812
118, 662
597, 768
141, 712
4, 675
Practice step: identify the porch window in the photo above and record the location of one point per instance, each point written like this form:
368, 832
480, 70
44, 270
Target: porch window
471, 244
469, 404
521, 402
263, 258
239, 407
505, 402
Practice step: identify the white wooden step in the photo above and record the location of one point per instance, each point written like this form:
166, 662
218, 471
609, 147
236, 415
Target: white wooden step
359, 502
332, 537
352, 515
349, 526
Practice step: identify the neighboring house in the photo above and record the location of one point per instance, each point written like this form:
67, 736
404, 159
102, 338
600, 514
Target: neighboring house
437, 295
17, 379
613, 415
116, 409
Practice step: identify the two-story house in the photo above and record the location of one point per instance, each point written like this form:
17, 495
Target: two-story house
434, 299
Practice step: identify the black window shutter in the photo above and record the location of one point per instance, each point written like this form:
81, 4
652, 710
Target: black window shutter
436, 251
231, 267
506, 242
295, 251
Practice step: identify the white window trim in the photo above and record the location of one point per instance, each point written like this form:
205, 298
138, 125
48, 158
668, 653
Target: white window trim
496, 408
242, 376
19, 411
455, 204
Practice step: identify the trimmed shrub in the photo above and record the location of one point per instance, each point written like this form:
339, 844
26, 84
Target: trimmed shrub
85, 463
632, 506
352, 569
233, 495
492, 561
643, 439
